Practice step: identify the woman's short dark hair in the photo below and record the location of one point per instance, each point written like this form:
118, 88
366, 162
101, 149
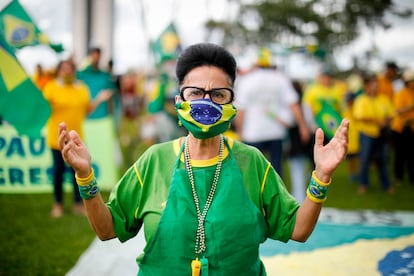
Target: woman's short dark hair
205, 54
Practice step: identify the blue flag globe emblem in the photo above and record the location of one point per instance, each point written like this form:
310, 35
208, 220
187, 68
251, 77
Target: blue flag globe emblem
331, 123
205, 111
328, 119
19, 34
398, 262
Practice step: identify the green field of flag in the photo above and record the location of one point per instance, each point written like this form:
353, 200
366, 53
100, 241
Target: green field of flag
167, 46
21, 103
328, 119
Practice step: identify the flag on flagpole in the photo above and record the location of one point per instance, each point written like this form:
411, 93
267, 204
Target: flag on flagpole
167, 46
20, 30
21, 103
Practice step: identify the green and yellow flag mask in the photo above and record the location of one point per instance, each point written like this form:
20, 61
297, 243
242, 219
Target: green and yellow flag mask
205, 119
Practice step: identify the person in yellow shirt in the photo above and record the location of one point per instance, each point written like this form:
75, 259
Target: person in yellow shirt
324, 89
70, 102
385, 81
403, 130
372, 113
352, 157
325, 96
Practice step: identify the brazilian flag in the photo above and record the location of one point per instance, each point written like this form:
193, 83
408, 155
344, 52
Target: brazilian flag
21, 102
20, 30
328, 119
316, 51
167, 46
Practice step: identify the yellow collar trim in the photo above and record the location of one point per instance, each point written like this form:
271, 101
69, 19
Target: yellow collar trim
201, 163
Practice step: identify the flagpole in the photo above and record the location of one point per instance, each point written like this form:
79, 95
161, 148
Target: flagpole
174, 7
206, 33
141, 6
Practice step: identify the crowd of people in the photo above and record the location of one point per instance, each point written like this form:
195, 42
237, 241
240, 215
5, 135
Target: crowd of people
212, 148
275, 114
379, 106
205, 201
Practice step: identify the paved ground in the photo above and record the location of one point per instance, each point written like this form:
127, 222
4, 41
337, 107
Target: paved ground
343, 243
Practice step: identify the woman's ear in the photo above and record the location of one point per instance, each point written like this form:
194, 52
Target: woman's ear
178, 99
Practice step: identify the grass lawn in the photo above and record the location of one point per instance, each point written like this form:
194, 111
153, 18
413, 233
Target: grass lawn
343, 195
32, 243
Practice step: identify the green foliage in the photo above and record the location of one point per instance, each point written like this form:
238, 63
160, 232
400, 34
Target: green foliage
329, 23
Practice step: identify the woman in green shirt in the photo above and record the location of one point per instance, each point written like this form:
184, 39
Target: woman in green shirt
206, 202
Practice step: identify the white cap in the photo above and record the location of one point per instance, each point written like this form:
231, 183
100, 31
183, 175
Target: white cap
408, 75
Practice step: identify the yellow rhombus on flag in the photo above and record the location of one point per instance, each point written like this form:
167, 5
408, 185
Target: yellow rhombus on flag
21, 103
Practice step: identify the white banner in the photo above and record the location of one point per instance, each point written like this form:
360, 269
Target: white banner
26, 163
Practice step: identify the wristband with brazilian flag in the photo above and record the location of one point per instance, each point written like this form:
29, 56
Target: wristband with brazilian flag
88, 187
317, 190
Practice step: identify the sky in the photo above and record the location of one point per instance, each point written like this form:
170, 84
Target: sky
396, 43
131, 38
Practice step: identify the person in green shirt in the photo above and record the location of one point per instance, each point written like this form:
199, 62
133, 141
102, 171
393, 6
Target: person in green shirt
97, 81
205, 202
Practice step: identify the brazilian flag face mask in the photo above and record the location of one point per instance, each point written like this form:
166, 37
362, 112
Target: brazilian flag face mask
205, 119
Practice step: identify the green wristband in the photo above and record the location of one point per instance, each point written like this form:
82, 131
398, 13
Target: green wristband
316, 192
89, 191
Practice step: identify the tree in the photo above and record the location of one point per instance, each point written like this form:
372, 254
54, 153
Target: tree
327, 23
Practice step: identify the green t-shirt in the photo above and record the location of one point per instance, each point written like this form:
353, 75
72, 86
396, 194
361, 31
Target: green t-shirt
141, 194
97, 80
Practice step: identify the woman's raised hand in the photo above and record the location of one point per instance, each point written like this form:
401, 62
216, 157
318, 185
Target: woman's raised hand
74, 151
327, 158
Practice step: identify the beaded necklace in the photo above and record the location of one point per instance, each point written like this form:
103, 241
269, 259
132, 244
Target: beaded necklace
200, 245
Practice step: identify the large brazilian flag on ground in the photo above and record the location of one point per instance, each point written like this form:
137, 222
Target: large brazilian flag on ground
344, 242
21, 103
20, 30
